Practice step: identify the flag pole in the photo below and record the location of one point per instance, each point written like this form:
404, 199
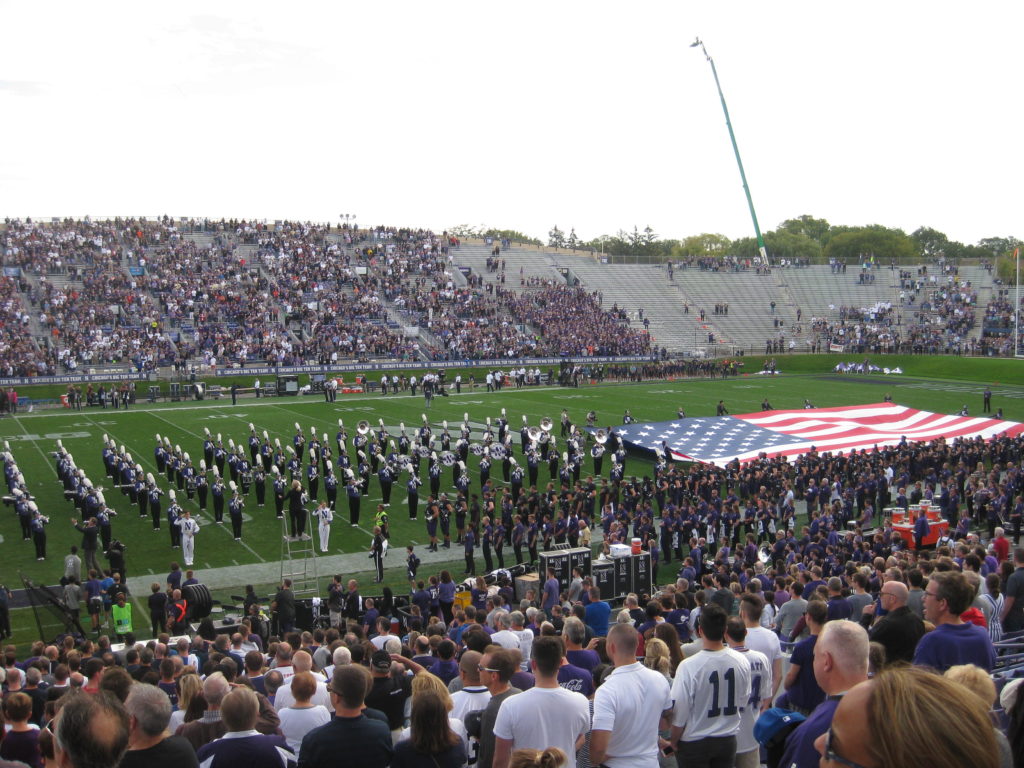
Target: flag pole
1016, 307
736, 150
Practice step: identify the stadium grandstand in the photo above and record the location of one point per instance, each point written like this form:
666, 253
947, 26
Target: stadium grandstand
145, 294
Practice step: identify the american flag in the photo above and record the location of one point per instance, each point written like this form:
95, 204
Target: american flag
719, 440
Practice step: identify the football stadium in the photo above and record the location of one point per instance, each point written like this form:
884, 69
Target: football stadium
307, 489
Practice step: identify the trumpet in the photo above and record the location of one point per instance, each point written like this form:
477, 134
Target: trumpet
363, 427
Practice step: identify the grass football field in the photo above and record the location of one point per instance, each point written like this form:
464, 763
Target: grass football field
32, 437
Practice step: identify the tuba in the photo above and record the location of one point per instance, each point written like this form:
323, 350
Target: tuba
534, 434
363, 427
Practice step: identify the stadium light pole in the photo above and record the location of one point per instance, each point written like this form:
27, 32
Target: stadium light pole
735, 148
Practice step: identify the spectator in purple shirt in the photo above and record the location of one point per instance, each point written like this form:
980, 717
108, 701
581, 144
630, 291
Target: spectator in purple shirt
838, 606
802, 689
445, 667
953, 641
551, 591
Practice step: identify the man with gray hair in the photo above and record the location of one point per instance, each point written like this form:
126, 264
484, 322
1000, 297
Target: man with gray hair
341, 656
149, 745
209, 726
504, 636
90, 731
525, 637
840, 663
242, 744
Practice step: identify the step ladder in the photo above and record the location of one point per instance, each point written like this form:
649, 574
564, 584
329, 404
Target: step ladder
298, 562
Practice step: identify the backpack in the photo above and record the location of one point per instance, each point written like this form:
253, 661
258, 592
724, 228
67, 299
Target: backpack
772, 729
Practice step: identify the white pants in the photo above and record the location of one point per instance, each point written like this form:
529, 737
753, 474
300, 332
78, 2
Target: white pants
188, 548
325, 534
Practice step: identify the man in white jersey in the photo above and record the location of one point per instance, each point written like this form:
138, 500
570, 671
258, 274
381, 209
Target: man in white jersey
189, 529
709, 690
628, 707
545, 716
761, 639
748, 753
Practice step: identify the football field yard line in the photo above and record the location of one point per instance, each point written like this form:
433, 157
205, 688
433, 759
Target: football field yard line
35, 444
152, 465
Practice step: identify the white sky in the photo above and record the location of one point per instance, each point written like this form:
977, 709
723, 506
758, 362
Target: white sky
593, 115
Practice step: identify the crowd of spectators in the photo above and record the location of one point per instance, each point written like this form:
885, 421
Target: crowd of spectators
151, 293
19, 355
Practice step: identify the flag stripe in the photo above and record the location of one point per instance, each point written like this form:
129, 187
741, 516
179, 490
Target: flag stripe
791, 433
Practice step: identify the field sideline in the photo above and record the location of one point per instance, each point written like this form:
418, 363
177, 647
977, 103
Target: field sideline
33, 436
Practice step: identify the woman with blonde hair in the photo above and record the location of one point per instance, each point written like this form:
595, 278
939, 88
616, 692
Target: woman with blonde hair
980, 683
425, 683
552, 757
907, 717
431, 743
189, 684
657, 657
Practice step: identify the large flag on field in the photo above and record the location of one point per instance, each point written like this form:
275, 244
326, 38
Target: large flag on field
720, 439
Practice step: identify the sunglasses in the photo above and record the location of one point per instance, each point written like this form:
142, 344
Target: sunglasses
831, 755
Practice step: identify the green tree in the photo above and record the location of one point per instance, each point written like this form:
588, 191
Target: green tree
512, 234
785, 244
700, 246
999, 246
884, 244
573, 241
744, 248
930, 242
556, 237
818, 230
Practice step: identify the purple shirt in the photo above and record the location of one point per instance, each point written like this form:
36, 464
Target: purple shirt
951, 644
446, 670
800, 749
550, 595
583, 659
577, 679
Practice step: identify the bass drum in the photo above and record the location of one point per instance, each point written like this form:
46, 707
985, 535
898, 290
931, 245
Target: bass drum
200, 602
